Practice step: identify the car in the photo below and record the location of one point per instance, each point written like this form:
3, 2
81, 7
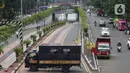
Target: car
111, 21
102, 23
105, 32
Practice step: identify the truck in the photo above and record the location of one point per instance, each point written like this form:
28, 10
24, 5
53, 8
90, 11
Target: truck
120, 24
100, 12
54, 56
102, 48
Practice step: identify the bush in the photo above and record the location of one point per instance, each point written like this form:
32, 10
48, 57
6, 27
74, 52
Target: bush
39, 33
27, 42
1, 50
83, 18
33, 37
18, 51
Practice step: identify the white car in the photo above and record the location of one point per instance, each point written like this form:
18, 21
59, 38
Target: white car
105, 32
102, 23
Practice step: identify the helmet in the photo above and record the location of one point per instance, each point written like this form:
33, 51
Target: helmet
118, 41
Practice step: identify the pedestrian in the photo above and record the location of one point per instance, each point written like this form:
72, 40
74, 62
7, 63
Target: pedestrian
17, 34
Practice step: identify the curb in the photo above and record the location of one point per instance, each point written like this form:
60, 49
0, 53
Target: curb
39, 43
84, 56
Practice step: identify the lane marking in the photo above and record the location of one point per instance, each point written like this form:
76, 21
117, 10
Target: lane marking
85, 65
66, 35
53, 34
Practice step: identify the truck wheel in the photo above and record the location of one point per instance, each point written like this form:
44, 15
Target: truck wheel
33, 68
65, 69
108, 57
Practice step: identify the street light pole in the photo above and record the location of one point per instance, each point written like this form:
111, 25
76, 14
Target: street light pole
44, 13
21, 7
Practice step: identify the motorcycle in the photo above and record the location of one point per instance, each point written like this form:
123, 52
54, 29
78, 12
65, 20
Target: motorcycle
119, 48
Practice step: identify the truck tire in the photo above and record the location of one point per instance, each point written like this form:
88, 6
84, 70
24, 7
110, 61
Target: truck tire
65, 69
108, 57
33, 68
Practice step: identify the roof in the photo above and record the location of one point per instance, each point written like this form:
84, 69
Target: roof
104, 28
122, 21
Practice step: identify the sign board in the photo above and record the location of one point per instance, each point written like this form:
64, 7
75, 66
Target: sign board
119, 9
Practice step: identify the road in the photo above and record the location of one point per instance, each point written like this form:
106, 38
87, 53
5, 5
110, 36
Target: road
119, 62
64, 35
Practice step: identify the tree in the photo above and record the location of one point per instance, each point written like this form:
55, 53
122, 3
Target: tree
108, 6
18, 51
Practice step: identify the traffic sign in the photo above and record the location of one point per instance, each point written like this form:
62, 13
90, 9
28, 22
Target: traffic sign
119, 9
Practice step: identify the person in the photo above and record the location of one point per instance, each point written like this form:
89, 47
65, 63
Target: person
95, 23
17, 34
119, 43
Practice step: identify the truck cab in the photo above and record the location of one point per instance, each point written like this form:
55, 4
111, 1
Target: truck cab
103, 48
121, 24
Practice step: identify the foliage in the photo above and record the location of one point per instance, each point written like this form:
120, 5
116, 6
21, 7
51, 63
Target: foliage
33, 37
18, 51
1, 50
37, 17
53, 26
27, 42
83, 17
7, 31
108, 7
39, 33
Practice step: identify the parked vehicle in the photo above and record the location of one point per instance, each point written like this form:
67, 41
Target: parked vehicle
54, 56
102, 48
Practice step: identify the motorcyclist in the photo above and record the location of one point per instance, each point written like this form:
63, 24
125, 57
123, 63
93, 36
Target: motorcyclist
128, 42
119, 43
95, 23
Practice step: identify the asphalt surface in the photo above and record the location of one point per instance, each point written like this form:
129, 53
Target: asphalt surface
119, 62
72, 34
